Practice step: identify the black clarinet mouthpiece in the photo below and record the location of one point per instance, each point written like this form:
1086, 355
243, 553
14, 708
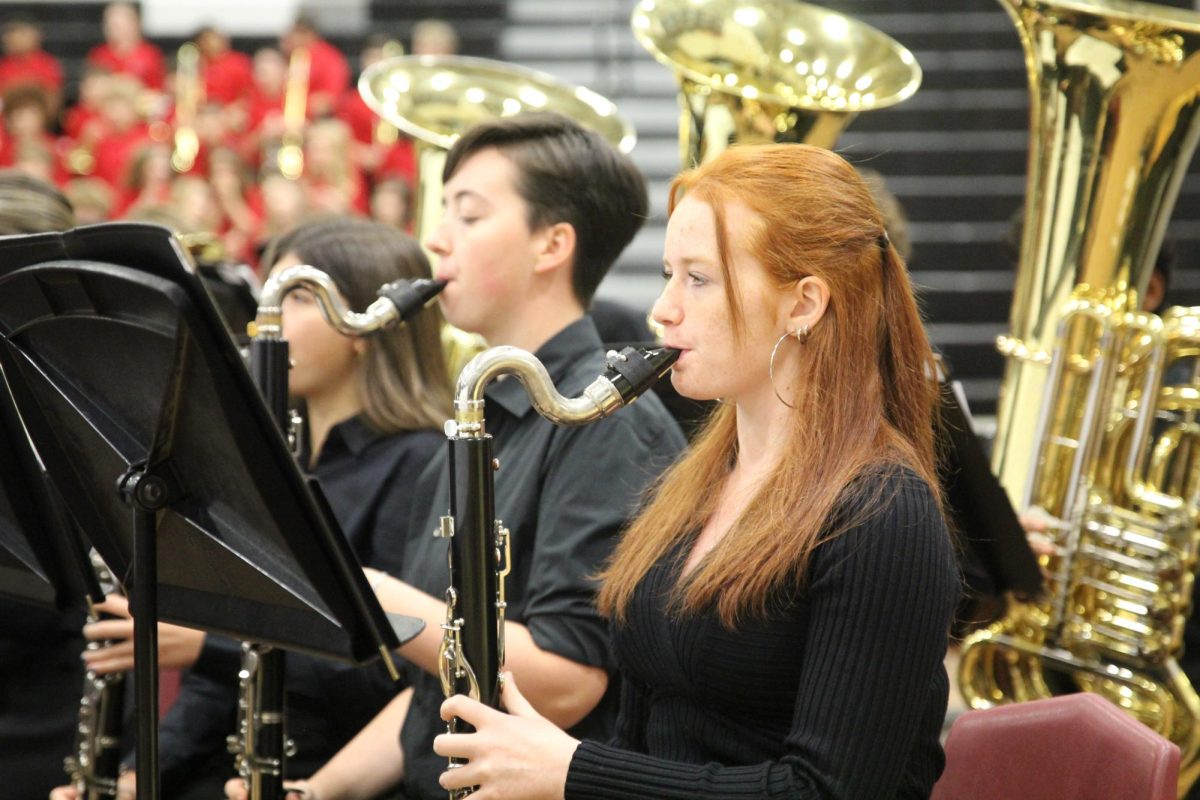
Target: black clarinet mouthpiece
410, 296
632, 371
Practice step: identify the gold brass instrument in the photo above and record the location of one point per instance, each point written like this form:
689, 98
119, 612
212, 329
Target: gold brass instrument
1113, 115
189, 94
768, 71
290, 158
434, 99
95, 765
81, 160
471, 655
385, 133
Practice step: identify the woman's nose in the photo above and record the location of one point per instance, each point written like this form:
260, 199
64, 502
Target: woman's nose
665, 310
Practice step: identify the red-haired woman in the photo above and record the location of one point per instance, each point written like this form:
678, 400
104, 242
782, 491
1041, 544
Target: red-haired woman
780, 609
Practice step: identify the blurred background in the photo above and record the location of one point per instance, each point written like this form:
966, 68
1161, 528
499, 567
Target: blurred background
953, 155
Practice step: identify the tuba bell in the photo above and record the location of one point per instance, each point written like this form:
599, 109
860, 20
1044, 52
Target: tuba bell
1114, 124
770, 71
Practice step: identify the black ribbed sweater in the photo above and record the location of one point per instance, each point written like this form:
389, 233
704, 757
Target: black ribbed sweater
839, 692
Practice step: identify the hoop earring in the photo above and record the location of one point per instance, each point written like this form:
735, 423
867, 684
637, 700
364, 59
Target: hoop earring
771, 363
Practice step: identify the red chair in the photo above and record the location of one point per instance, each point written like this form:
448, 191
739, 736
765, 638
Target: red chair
1074, 747
168, 690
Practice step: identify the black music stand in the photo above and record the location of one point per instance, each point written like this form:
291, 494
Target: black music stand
42, 556
152, 431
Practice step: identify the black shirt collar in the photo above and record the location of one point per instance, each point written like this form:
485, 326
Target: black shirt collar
565, 349
352, 435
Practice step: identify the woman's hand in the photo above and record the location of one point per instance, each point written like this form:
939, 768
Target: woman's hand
515, 756
235, 789
178, 647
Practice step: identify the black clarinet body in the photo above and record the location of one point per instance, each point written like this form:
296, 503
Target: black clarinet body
260, 744
475, 564
471, 657
95, 765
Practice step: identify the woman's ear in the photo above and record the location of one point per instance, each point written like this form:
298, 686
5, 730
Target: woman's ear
805, 303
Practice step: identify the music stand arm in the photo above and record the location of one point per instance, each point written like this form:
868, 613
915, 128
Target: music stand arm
146, 494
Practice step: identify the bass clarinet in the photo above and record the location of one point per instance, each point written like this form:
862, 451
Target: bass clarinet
471, 655
260, 745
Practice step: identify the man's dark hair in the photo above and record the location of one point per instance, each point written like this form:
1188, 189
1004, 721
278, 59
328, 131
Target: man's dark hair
567, 173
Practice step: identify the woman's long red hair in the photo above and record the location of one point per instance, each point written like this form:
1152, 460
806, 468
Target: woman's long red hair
865, 401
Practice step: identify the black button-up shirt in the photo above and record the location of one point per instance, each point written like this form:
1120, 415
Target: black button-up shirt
369, 479
564, 494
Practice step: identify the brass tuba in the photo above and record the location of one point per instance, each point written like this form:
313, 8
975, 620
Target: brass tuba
763, 71
434, 99
1111, 457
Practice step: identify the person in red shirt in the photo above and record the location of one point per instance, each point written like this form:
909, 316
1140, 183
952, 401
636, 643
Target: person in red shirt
263, 124
146, 181
380, 150
93, 85
124, 130
125, 51
240, 202
227, 73
26, 113
392, 203
328, 72
333, 182
25, 61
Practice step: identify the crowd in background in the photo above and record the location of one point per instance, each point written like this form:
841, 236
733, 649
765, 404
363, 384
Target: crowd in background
113, 143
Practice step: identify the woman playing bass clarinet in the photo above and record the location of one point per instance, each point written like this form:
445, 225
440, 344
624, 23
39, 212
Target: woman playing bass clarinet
780, 608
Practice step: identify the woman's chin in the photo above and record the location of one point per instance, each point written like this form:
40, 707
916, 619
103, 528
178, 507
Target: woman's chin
688, 389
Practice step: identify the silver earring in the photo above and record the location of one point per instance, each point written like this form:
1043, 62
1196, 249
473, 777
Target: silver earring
771, 364
802, 334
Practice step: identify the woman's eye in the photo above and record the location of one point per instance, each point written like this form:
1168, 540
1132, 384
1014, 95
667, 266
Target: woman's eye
697, 280
666, 275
